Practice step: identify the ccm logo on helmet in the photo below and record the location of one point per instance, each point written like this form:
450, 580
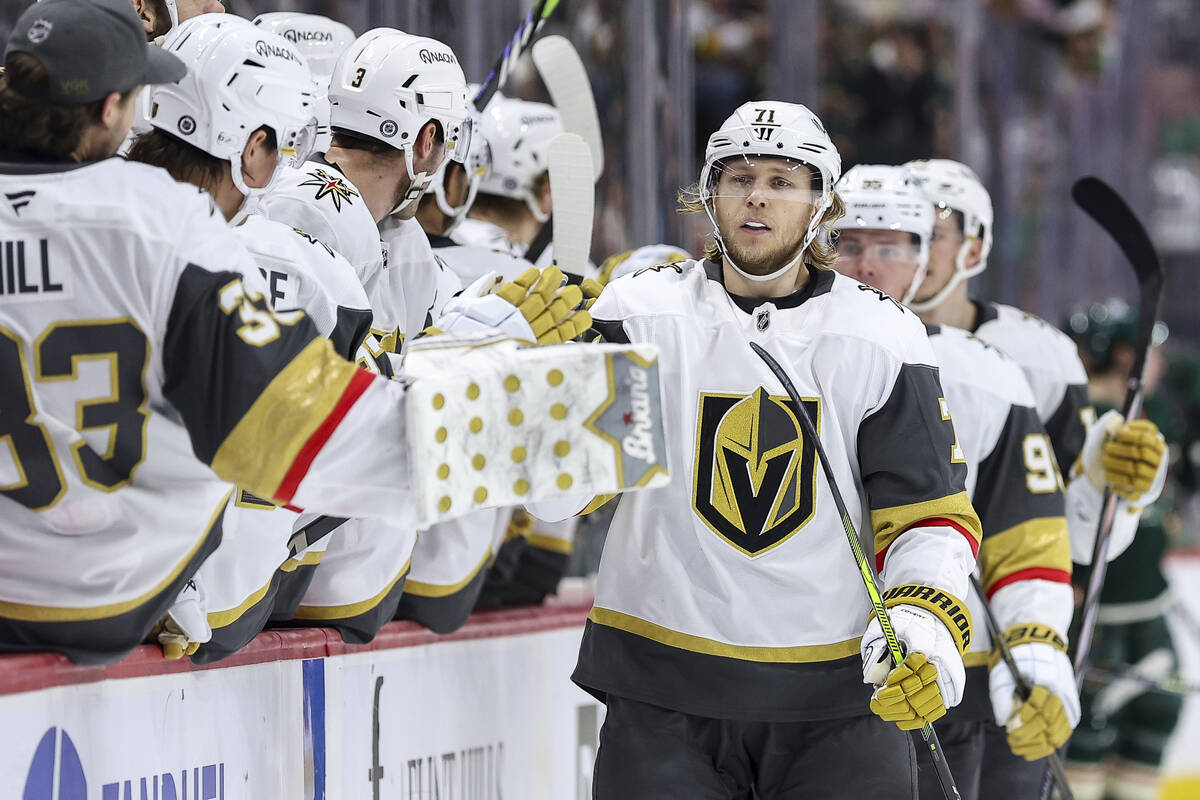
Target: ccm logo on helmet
430, 56
293, 35
266, 50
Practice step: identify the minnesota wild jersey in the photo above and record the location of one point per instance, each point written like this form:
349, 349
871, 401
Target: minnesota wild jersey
732, 592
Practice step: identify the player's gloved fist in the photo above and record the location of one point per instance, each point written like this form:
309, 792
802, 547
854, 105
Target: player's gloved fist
591, 292
536, 307
1043, 722
1130, 457
929, 680
186, 626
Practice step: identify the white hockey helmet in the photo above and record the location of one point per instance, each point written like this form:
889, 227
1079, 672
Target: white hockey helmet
880, 197
389, 84
953, 186
774, 129
239, 79
519, 133
619, 265
321, 41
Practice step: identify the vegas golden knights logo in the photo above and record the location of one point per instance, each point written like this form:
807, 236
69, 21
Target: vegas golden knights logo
755, 471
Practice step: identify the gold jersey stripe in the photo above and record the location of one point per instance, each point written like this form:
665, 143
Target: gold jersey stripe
353, 609
259, 451
804, 654
1040, 542
311, 558
976, 658
551, 543
31, 613
220, 619
597, 501
889, 523
423, 589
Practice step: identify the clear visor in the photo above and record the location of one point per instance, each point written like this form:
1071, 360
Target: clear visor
296, 143
852, 249
458, 140
764, 179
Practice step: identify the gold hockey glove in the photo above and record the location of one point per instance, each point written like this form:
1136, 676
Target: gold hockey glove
910, 696
549, 307
1131, 459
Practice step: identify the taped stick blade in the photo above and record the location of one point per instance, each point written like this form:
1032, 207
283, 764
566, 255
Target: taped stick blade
566, 79
573, 201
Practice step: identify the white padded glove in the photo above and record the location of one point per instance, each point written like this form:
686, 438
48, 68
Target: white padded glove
1044, 722
899, 692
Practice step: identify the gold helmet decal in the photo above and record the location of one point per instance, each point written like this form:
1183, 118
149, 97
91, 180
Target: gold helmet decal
755, 473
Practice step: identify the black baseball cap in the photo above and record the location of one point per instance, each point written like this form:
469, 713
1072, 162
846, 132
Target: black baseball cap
90, 48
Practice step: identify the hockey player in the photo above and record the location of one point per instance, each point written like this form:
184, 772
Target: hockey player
631, 261
321, 41
513, 199
731, 635
231, 61
1025, 557
1117, 751
160, 17
962, 238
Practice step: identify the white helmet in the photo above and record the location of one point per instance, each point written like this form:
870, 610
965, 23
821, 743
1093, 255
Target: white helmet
239, 79
389, 84
952, 186
519, 134
775, 129
321, 41
880, 197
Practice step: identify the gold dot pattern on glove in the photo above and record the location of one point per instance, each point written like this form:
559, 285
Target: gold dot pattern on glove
1039, 726
444, 504
478, 461
480, 494
515, 417
476, 425
564, 481
558, 411
438, 402
521, 486
441, 435
554, 377
518, 454
910, 697
473, 391
443, 471
512, 383
562, 448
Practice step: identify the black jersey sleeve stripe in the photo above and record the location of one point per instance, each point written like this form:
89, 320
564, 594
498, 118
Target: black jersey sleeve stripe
611, 330
1066, 426
349, 330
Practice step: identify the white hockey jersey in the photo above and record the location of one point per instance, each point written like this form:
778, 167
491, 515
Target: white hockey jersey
471, 262
732, 592
1025, 558
488, 235
140, 366
416, 274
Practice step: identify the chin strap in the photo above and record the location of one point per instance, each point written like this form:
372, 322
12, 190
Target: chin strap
416, 188
748, 276
961, 273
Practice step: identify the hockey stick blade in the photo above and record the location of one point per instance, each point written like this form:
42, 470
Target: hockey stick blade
573, 201
936, 753
1106, 207
1054, 760
567, 81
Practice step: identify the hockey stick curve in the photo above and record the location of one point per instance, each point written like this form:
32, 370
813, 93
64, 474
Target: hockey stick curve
942, 768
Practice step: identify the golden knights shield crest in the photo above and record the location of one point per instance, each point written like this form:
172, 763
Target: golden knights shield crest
754, 476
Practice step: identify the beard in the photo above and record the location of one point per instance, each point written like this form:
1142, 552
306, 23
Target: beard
762, 260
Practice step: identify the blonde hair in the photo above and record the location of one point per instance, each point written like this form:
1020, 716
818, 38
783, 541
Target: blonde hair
820, 251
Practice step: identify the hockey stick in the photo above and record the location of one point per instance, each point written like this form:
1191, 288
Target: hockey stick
573, 201
1023, 690
571, 92
567, 81
1099, 201
528, 28
945, 779
1171, 684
